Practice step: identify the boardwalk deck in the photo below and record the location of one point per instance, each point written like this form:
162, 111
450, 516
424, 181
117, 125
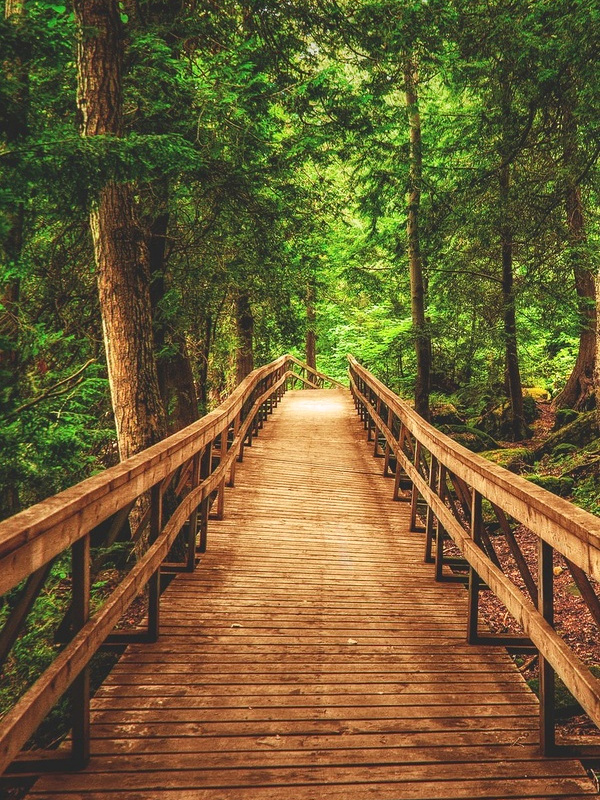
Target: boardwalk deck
312, 655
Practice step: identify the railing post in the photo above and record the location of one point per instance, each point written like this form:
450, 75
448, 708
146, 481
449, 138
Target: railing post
369, 422
399, 470
193, 522
80, 690
378, 412
414, 493
440, 531
156, 498
430, 517
240, 456
221, 490
547, 677
205, 470
387, 451
474, 580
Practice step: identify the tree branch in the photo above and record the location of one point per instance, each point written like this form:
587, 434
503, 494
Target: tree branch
51, 391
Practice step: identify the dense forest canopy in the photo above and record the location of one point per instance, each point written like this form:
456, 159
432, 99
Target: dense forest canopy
190, 189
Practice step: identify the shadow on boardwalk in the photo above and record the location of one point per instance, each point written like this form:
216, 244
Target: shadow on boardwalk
312, 655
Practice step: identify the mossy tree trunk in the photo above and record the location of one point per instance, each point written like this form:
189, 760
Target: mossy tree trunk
244, 361
12, 243
311, 318
120, 248
579, 389
174, 369
417, 286
511, 356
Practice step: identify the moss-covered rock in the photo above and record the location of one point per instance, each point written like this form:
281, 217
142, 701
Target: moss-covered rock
446, 414
470, 437
561, 485
564, 449
498, 423
564, 416
530, 409
512, 458
580, 432
536, 392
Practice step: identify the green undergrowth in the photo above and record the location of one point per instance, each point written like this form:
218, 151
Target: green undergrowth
36, 647
565, 705
566, 462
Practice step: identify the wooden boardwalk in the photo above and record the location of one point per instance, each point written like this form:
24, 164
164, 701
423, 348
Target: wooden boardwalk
311, 655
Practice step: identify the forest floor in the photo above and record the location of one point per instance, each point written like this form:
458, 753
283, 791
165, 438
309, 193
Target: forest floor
573, 620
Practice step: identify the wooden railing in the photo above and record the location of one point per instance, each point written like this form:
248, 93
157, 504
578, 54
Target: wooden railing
311, 377
471, 502
151, 501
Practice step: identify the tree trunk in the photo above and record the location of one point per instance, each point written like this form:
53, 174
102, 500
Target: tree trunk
417, 290
245, 330
513, 375
120, 250
597, 366
9, 297
175, 376
579, 389
311, 318
203, 365
14, 12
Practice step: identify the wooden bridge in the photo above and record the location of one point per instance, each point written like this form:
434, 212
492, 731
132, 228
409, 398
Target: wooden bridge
318, 640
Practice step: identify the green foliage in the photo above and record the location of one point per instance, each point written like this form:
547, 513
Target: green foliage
561, 485
511, 458
56, 441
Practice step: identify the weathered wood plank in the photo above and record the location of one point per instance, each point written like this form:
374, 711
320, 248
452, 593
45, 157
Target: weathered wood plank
311, 656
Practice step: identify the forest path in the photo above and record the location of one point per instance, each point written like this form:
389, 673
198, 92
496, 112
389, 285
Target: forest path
312, 655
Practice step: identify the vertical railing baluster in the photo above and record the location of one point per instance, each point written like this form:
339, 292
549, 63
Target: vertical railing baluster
156, 498
474, 580
240, 456
193, 521
221, 490
376, 429
399, 470
547, 677
387, 451
440, 530
80, 690
414, 493
430, 517
205, 471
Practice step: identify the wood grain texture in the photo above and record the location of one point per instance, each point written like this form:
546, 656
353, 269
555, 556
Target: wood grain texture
312, 656
557, 522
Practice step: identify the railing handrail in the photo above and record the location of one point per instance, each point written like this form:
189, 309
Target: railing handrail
30, 540
560, 525
321, 375
67, 516
542, 512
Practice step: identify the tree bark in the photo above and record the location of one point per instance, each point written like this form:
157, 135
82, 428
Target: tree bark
175, 376
245, 330
513, 374
120, 250
311, 318
597, 365
203, 362
514, 389
14, 12
417, 290
579, 389
9, 296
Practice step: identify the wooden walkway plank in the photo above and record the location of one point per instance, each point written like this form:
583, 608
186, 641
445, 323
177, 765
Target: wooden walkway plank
312, 656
